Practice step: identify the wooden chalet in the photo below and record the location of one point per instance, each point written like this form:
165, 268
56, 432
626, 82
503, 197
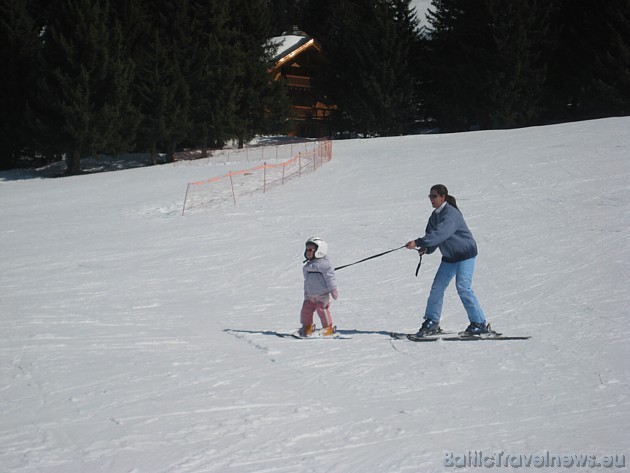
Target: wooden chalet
297, 58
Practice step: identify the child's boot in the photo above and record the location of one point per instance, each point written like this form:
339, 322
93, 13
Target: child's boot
306, 330
328, 331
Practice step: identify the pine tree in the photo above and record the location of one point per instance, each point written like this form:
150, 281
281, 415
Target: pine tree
516, 82
261, 104
85, 91
459, 52
20, 49
590, 67
486, 62
314, 17
162, 89
162, 96
369, 77
212, 71
284, 15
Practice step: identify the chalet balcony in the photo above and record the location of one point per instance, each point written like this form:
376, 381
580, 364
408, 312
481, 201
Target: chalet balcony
298, 82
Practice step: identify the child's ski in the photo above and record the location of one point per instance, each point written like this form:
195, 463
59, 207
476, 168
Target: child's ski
316, 335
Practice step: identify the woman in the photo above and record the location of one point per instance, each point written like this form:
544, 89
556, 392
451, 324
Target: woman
448, 231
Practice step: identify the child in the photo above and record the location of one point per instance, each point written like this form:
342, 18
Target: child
319, 285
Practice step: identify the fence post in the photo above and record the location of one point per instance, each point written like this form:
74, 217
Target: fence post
264, 177
232, 185
185, 198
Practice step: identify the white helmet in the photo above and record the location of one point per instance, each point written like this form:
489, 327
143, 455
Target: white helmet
321, 246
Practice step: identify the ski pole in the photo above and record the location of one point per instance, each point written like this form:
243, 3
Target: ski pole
419, 264
369, 257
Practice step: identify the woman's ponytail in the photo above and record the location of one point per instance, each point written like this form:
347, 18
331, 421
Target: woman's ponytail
451, 200
443, 191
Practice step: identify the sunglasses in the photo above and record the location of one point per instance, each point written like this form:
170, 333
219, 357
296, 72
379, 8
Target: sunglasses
433, 196
310, 249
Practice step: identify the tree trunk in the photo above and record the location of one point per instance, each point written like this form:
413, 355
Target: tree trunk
204, 147
73, 162
170, 155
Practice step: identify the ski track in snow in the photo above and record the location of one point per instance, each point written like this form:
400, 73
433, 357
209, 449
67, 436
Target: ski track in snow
137, 340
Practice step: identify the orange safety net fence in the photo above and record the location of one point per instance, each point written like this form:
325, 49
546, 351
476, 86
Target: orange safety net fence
234, 185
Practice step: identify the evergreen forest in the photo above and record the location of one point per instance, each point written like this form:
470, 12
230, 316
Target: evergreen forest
87, 77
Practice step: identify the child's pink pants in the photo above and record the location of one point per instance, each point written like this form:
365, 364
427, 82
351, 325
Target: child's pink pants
319, 304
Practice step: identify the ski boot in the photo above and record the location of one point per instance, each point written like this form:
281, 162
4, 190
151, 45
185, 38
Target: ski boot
476, 329
306, 330
328, 331
429, 327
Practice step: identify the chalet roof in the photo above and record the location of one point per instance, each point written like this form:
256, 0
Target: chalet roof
290, 45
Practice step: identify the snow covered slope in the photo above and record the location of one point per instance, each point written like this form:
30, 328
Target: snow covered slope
137, 340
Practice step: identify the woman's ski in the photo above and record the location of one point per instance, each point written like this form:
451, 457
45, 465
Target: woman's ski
455, 337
